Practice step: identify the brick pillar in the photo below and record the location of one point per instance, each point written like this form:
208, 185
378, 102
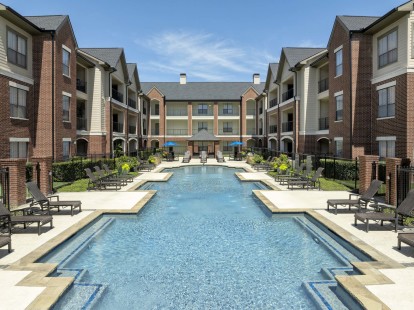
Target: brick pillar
17, 180
391, 183
45, 164
365, 171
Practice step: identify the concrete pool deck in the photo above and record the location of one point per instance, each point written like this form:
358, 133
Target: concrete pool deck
24, 284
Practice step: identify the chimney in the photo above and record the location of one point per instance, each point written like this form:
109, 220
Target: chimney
183, 78
256, 78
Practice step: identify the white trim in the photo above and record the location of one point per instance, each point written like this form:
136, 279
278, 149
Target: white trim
338, 139
17, 77
286, 138
19, 118
390, 84
387, 138
66, 139
392, 74
338, 48
339, 93
13, 84
66, 94
19, 139
66, 48
387, 117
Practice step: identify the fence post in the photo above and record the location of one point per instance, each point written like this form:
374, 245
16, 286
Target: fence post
38, 174
374, 171
393, 167
365, 171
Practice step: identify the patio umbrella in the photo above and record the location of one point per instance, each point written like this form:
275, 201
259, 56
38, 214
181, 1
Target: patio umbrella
236, 143
170, 143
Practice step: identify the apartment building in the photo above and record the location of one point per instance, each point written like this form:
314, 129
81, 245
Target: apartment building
38, 73
225, 110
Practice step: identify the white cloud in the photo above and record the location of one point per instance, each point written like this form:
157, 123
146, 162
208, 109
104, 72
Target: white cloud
203, 56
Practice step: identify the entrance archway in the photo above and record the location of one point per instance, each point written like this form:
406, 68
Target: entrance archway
82, 147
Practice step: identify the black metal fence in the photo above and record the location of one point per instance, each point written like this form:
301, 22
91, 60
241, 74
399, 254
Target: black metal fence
405, 182
5, 187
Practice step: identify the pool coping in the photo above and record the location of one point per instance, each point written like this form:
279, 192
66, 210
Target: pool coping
355, 285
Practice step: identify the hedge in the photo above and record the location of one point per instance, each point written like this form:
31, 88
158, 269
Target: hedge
75, 169
339, 170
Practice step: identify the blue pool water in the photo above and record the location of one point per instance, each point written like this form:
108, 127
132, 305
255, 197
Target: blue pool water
203, 242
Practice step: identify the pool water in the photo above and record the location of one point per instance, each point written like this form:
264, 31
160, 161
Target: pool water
203, 242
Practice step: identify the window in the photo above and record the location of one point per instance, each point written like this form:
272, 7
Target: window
386, 102
339, 108
227, 127
202, 125
386, 148
338, 58
66, 108
18, 149
66, 149
387, 49
16, 49
226, 147
202, 109
339, 148
65, 62
18, 100
228, 109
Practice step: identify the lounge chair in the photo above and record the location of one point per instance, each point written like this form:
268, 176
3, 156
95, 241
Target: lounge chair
41, 220
47, 202
403, 210
220, 157
97, 183
281, 174
6, 240
407, 238
122, 176
203, 158
110, 178
144, 165
187, 157
361, 201
293, 176
308, 182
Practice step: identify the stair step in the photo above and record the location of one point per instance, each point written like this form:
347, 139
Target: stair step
330, 273
81, 296
323, 294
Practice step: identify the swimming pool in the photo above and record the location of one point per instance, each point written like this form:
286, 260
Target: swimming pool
204, 241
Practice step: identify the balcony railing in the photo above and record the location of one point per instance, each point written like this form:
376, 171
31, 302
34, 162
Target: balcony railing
118, 127
288, 94
81, 123
323, 123
144, 132
177, 132
250, 131
273, 103
132, 129
273, 129
228, 131
117, 95
229, 112
260, 131
323, 85
199, 129
287, 126
144, 111
81, 85
155, 132
251, 112
177, 112
132, 103
202, 112
155, 111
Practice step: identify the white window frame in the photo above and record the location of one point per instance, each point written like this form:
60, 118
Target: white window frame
66, 119
389, 53
68, 52
20, 106
17, 49
336, 107
21, 146
339, 152
386, 98
386, 144
339, 66
66, 146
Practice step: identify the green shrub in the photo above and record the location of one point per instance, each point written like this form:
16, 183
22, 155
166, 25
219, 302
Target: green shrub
341, 170
257, 158
70, 171
131, 161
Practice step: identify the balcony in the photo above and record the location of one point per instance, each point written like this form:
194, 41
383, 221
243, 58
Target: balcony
250, 131
228, 131
118, 127
287, 126
144, 132
155, 132
323, 85
273, 129
202, 112
273, 103
144, 111
199, 129
228, 112
132, 129
260, 131
288, 94
177, 132
323, 123
132, 103
251, 112
117, 95
177, 112
81, 85
81, 123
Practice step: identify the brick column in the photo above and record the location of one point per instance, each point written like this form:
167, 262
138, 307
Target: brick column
17, 180
365, 171
391, 183
45, 164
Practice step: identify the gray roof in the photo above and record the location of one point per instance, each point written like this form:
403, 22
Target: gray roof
273, 68
355, 23
50, 22
202, 90
131, 68
108, 55
294, 55
203, 135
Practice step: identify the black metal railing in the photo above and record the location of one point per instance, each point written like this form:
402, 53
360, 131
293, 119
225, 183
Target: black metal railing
144, 111
117, 95
287, 126
132, 103
177, 112
202, 112
251, 131
117, 127
81, 123
228, 131
323, 85
132, 129
323, 123
155, 132
230, 112
273, 129
260, 131
273, 103
81, 85
5, 187
288, 94
177, 132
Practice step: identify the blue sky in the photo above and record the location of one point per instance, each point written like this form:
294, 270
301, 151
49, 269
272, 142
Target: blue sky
213, 40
